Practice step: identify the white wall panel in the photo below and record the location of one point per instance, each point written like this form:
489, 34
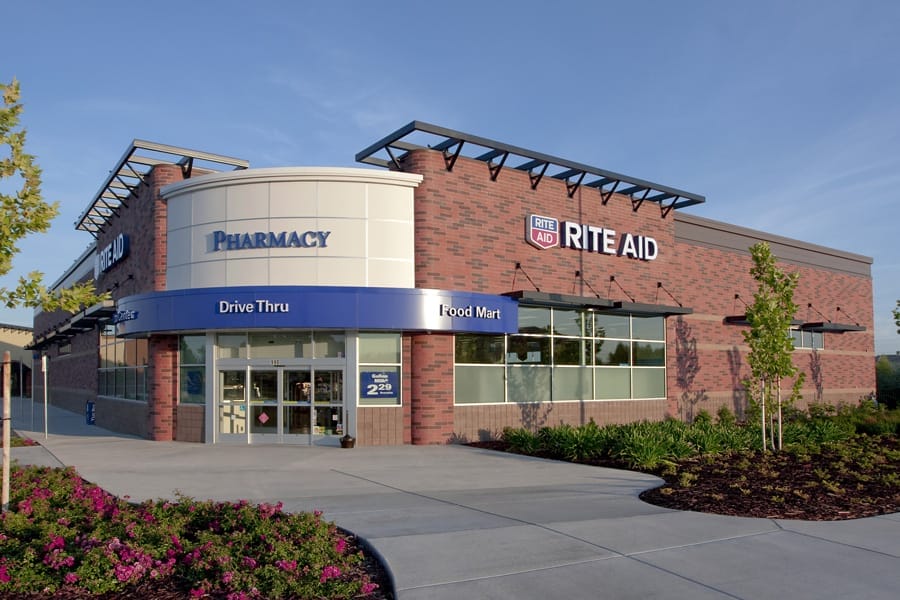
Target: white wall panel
387, 202
390, 239
210, 274
179, 212
247, 271
342, 198
208, 206
347, 237
178, 247
390, 273
247, 202
288, 199
369, 216
178, 277
293, 271
341, 271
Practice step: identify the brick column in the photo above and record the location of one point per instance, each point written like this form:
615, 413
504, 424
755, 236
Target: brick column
163, 383
432, 389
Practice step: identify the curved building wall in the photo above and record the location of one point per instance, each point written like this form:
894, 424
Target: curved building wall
291, 226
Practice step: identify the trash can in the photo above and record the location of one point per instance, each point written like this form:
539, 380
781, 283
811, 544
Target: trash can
90, 416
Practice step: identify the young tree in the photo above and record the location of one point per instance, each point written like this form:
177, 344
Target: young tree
897, 316
24, 211
770, 317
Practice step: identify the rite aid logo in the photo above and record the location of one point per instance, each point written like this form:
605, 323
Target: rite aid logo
542, 232
546, 232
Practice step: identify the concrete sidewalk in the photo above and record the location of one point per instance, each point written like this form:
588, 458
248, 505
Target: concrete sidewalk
456, 522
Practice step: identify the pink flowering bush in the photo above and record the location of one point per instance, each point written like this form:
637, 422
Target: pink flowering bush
62, 533
18, 442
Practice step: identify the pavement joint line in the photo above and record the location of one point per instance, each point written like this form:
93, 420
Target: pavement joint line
701, 543
844, 544
560, 565
568, 564
686, 578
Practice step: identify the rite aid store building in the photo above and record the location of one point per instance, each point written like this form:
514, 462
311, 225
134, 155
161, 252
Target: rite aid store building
466, 286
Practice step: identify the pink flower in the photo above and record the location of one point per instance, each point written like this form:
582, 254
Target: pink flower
329, 572
368, 588
70, 578
340, 545
4, 575
227, 576
248, 562
56, 541
287, 565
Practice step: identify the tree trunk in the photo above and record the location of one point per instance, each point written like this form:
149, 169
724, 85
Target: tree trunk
778, 395
762, 403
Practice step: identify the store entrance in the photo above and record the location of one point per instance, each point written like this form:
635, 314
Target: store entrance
298, 404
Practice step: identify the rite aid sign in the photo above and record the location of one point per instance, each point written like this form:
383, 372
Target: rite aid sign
111, 254
547, 232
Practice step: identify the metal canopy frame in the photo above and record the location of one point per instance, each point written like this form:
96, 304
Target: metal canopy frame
605, 305
538, 165
130, 173
829, 327
80, 322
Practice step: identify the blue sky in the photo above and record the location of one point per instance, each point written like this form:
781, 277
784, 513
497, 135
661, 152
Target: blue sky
785, 115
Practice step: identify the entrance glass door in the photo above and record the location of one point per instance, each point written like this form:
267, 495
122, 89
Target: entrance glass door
231, 406
296, 401
298, 404
264, 400
328, 402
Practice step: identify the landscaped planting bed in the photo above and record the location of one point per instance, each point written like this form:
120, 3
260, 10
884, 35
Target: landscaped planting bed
66, 538
836, 464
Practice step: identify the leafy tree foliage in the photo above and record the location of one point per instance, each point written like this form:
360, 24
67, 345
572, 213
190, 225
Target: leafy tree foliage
24, 211
769, 339
897, 316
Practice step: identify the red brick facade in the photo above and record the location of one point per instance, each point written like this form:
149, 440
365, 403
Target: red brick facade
470, 234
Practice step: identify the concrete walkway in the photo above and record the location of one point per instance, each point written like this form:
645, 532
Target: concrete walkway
456, 522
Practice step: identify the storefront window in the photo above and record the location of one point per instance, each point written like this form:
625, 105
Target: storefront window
231, 345
534, 320
379, 369
330, 344
273, 344
123, 366
808, 339
379, 348
192, 369
564, 355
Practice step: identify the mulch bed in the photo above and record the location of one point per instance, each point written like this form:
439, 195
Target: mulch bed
815, 487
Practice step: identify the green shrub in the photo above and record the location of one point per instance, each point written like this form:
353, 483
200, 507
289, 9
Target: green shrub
521, 441
725, 417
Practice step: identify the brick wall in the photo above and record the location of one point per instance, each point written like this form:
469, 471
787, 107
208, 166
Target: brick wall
190, 423
707, 359
470, 233
162, 384
431, 399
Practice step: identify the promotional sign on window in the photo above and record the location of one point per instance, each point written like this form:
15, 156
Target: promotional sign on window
378, 384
